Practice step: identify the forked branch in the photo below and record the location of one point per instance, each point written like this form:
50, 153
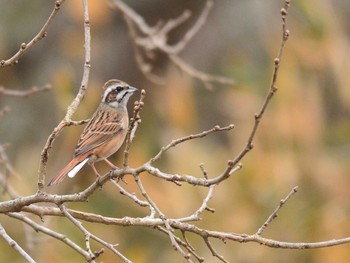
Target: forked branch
149, 40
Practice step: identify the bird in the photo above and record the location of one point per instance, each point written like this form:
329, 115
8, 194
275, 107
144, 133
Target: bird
104, 133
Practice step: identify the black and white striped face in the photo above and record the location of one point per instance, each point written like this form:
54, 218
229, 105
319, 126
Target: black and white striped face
117, 93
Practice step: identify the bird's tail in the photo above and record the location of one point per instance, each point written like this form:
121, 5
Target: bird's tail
71, 169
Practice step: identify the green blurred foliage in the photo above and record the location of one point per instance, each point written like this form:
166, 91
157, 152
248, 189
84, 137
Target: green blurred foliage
303, 139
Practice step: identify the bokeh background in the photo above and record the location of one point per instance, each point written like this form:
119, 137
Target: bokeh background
304, 138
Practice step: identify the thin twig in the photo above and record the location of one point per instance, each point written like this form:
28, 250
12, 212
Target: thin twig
144, 66
15, 245
173, 143
79, 225
7, 188
207, 79
272, 90
213, 251
132, 196
171, 235
23, 93
204, 206
190, 248
73, 106
194, 29
5, 161
42, 33
184, 243
9, 171
204, 171
49, 232
89, 236
77, 123
147, 40
134, 123
275, 213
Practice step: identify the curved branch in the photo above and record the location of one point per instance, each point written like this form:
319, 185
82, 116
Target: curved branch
73, 106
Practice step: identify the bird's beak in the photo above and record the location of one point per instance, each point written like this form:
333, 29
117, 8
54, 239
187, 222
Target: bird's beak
132, 89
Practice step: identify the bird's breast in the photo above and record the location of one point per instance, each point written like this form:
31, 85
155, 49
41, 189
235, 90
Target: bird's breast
112, 145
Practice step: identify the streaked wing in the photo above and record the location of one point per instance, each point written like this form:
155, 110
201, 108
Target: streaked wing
102, 127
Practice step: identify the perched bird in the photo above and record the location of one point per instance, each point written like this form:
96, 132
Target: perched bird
104, 133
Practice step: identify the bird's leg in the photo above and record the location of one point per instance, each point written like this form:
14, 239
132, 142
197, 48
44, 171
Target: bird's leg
94, 168
110, 164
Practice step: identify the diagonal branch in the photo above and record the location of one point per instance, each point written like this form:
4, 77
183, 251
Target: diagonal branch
15, 245
47, 231
41, 34
89, 236
194, 30
275, 213
165, 221
272, 90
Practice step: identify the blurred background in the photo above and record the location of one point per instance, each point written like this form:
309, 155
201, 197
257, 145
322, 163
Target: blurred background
304, 138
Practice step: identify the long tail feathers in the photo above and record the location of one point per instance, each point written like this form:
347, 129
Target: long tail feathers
71, 169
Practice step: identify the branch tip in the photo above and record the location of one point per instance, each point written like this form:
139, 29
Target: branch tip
57, 5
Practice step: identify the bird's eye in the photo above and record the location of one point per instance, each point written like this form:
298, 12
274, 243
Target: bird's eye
119, 88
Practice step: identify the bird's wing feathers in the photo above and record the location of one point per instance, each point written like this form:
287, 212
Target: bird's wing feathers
96, 134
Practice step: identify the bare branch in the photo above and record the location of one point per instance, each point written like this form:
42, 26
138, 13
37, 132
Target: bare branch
145, 67
45, 154
183, 226
87, 65
207, 79
135, 120
244, 238
204, 205
176, 178
42, 33
147, 40
168, 228
194, 30
213, 251
6, 187
79, 225
5, 161
89, 236
23, 93
39, 228
189, 137
132, 196
272, 90
73, 106
189, 247
15, 246
275, 213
